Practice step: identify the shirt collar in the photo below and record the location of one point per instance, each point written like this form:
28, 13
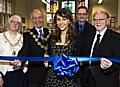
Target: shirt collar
102, 32
39, 29
82, 24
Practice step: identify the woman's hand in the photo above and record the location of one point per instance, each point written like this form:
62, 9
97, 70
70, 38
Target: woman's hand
105, 63
16, 64
1, 82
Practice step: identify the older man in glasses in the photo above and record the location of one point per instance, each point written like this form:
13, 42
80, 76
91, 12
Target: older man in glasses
103, 43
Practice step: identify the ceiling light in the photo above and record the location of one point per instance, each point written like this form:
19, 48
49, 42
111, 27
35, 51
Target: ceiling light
100, 1
44, 1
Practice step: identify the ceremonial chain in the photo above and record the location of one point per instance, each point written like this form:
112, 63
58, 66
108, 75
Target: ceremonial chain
36, 38
12, 45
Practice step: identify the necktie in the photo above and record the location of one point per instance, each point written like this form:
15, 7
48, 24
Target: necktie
96, 45
41, 34
80, 28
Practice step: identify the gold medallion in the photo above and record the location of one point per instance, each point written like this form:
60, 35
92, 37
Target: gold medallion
34, 36
13, 46
39, 43
36, 39
13, 53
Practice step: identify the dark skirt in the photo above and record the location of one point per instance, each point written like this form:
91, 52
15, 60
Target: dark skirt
53, 80
14, 79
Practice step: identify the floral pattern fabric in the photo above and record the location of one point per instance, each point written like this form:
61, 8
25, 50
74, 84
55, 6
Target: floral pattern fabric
53, 80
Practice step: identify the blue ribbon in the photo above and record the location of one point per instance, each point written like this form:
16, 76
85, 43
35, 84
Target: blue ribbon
80, 59
10, 58
63, 65
66, 66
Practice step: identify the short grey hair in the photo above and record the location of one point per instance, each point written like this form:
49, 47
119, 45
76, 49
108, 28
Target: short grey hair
37, 11
19, 20
16, 16
104, 12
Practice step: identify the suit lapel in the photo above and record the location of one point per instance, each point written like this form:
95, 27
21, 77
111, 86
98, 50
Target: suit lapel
105, 38
104, 44
46, 32
34, 31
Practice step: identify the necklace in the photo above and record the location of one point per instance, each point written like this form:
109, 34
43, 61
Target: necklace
12, 45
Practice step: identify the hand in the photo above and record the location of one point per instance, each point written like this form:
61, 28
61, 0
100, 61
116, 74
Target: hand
105, 63
1, 82
46, 62
16, 64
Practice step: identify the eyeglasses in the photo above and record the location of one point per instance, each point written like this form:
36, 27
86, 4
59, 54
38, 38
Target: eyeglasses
99, 19
15, 22
82, 13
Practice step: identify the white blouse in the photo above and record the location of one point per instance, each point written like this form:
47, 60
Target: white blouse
9, 46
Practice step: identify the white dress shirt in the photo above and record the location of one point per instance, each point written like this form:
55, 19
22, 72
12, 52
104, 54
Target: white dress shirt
39, 29
95, 38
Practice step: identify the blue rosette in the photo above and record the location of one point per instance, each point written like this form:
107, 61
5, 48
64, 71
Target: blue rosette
66, 66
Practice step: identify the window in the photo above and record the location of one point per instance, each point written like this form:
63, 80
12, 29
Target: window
51, 10
6, 9
69, 4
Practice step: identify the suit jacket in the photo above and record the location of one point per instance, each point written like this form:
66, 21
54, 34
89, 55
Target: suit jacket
109, 47
87, 26
36, 72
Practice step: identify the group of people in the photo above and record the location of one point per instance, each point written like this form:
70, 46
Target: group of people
68, 38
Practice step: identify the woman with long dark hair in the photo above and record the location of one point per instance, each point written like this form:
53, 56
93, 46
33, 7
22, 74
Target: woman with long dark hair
62, 42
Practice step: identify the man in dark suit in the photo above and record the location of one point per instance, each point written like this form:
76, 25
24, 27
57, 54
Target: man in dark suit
34, 45
104, 73
81, 24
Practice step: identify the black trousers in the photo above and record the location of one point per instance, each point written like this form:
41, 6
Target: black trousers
86, 77
35, 77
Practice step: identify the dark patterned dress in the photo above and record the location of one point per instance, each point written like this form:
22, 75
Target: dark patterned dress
53, 80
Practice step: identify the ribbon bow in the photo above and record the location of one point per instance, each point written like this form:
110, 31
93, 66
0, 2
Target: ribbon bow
66, 66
